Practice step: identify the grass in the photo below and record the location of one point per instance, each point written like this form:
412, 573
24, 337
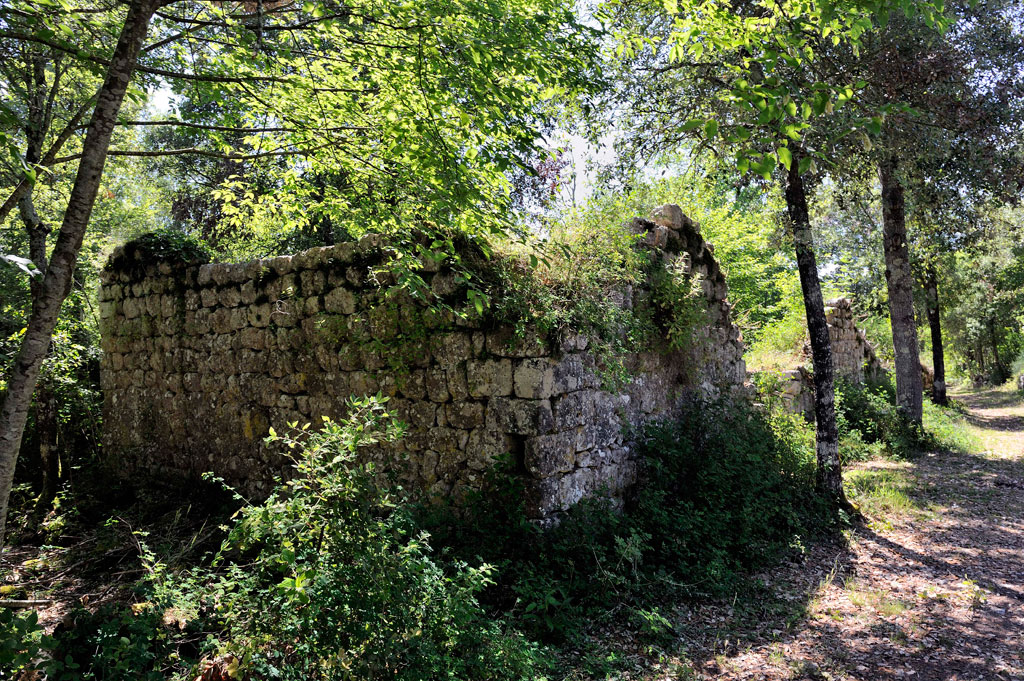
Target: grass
950, 430
881, 492
876, 599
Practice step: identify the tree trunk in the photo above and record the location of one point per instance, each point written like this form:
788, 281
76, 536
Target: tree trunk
56, 282
900, 280
49, 453
999, 372
830, 477
931, 290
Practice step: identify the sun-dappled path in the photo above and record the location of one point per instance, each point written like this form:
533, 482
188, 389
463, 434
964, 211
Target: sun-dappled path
929, 587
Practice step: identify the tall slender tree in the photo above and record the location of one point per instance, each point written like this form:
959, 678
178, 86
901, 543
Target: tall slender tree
744, 79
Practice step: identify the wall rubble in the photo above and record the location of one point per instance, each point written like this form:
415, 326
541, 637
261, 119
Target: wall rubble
201, 360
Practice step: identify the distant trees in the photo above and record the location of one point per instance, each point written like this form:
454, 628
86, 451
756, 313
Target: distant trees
953, 142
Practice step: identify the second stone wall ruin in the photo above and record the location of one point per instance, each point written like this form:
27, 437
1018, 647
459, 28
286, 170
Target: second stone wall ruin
200, 361
853, 357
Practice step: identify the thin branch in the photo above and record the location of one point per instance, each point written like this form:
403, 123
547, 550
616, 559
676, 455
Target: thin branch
231, 128
194, 151
164, 73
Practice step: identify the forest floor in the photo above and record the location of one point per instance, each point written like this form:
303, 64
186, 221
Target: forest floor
929, 587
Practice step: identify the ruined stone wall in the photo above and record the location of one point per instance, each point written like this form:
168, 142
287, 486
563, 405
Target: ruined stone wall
853, 357
201, 360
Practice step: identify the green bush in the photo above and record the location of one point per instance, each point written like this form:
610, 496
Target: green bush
21, 643
328, 578
161, 245
870, 423
872, 426
726, 488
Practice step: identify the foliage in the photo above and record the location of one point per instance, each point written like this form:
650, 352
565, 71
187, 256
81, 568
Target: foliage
160, 246
21, 641
591, 277
725, 489
872, 426
751, 76
328, 577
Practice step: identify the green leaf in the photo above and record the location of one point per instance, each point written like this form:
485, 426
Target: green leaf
711, 128
785, 156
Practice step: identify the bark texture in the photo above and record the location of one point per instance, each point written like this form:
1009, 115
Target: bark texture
830, 478
931, 289
900, 283
56, 281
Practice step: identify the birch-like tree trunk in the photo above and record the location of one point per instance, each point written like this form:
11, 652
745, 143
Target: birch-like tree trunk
57, 279
830, 477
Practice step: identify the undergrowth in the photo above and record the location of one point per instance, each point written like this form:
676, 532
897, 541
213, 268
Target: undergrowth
329, 578
872, 426
725, 490
336, 576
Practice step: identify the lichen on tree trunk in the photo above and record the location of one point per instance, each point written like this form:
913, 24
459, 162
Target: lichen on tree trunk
900, 283
830, 479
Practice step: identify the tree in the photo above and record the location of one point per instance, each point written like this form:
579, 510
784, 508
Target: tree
953, 142
423, 106
744, 79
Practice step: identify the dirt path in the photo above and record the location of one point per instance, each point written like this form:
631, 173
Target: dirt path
931, 588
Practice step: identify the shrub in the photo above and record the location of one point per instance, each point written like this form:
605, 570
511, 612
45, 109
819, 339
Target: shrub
162, 245
726, 489
327, 579
871, 425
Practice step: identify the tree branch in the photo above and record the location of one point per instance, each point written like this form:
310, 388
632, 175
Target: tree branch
194, 151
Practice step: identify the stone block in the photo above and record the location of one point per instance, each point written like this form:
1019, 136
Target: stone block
669, 215
282, 288
458, 387
520, 417
464, 414
534, 378
484, 447
489, 377
575, 409
505, 342
340, 301
452, 348
548, 455
436, 383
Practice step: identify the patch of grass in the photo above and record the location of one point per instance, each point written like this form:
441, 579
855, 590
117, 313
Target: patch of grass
949, 430
876, 599
881, 492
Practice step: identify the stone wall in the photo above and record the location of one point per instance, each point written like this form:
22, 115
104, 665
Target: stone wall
853, 357
201, 360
